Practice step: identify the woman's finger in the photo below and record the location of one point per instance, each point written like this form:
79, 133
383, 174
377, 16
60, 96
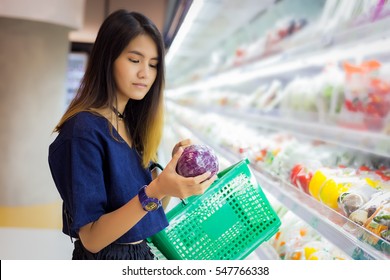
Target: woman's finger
183, 143
175, 158
203, 177
206, 184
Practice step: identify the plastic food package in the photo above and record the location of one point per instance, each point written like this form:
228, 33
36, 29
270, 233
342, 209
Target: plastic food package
378, 223
323, 174
295, 240
361, 215
355, 198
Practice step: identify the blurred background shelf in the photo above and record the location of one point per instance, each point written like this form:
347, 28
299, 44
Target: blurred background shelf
336, 228
310, 37
294, 84
365, 141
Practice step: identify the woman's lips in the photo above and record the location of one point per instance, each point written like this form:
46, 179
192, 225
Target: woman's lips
139, 85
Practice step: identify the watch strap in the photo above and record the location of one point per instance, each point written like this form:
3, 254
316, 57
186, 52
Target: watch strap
149, 204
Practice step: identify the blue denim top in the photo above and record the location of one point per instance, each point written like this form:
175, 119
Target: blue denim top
97, 174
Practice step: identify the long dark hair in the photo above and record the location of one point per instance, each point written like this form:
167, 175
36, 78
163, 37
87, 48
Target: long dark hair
144, 118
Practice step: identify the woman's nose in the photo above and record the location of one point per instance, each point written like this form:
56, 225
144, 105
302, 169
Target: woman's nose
143, 72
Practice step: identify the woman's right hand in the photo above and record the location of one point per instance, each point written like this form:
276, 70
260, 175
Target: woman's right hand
169, 183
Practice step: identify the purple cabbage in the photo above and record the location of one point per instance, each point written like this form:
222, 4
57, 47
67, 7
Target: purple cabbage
196, 160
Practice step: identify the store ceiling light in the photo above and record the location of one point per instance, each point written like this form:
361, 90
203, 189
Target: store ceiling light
196, 6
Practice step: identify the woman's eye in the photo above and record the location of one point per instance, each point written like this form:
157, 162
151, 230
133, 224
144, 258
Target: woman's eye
153, 65
134, 60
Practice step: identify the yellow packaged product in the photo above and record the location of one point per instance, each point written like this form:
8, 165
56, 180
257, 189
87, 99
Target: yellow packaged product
331, 189
321, 175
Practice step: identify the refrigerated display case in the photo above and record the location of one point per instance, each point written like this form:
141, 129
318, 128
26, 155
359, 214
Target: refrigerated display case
310, 98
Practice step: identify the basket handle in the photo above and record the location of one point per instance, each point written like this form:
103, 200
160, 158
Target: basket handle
154, 165
184, 201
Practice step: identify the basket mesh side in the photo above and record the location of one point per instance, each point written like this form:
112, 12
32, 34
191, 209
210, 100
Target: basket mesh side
156, 252
224, 224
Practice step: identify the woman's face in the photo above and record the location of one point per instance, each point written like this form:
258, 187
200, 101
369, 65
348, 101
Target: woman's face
135, 70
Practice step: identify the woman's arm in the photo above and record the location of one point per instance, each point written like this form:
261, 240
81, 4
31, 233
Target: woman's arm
109, 227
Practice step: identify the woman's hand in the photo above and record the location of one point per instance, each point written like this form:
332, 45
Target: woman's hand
183, 143
169, 183
109, 227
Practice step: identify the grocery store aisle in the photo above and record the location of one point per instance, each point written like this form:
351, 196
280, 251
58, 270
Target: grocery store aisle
303, 91
299, 87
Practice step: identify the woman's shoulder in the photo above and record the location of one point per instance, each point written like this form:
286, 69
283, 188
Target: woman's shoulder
83, 124
87, 117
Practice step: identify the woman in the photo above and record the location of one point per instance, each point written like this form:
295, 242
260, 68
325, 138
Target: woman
108, 137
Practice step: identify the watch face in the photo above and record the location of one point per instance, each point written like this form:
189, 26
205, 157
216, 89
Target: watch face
151, 206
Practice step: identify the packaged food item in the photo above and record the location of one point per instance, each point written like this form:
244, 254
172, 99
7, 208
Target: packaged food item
361, 216
382, 217
317, 250
317, 180
290, 239
367, 95
386, 235
331, 93
270, 97
296, 240
292, 234
384, 173
331, 190
322, 175
301, 176
378, 223
355, 198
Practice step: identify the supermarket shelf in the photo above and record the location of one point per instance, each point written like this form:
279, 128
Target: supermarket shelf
307, 52
335, 227
314, 54
344, 37
364, 141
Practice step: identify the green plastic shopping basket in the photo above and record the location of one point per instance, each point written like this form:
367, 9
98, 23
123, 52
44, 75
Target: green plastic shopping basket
228, 222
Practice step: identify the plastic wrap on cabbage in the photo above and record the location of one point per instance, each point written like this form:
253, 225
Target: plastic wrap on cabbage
196, 160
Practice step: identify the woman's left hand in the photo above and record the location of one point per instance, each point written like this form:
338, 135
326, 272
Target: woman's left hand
183, 143
169, 183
